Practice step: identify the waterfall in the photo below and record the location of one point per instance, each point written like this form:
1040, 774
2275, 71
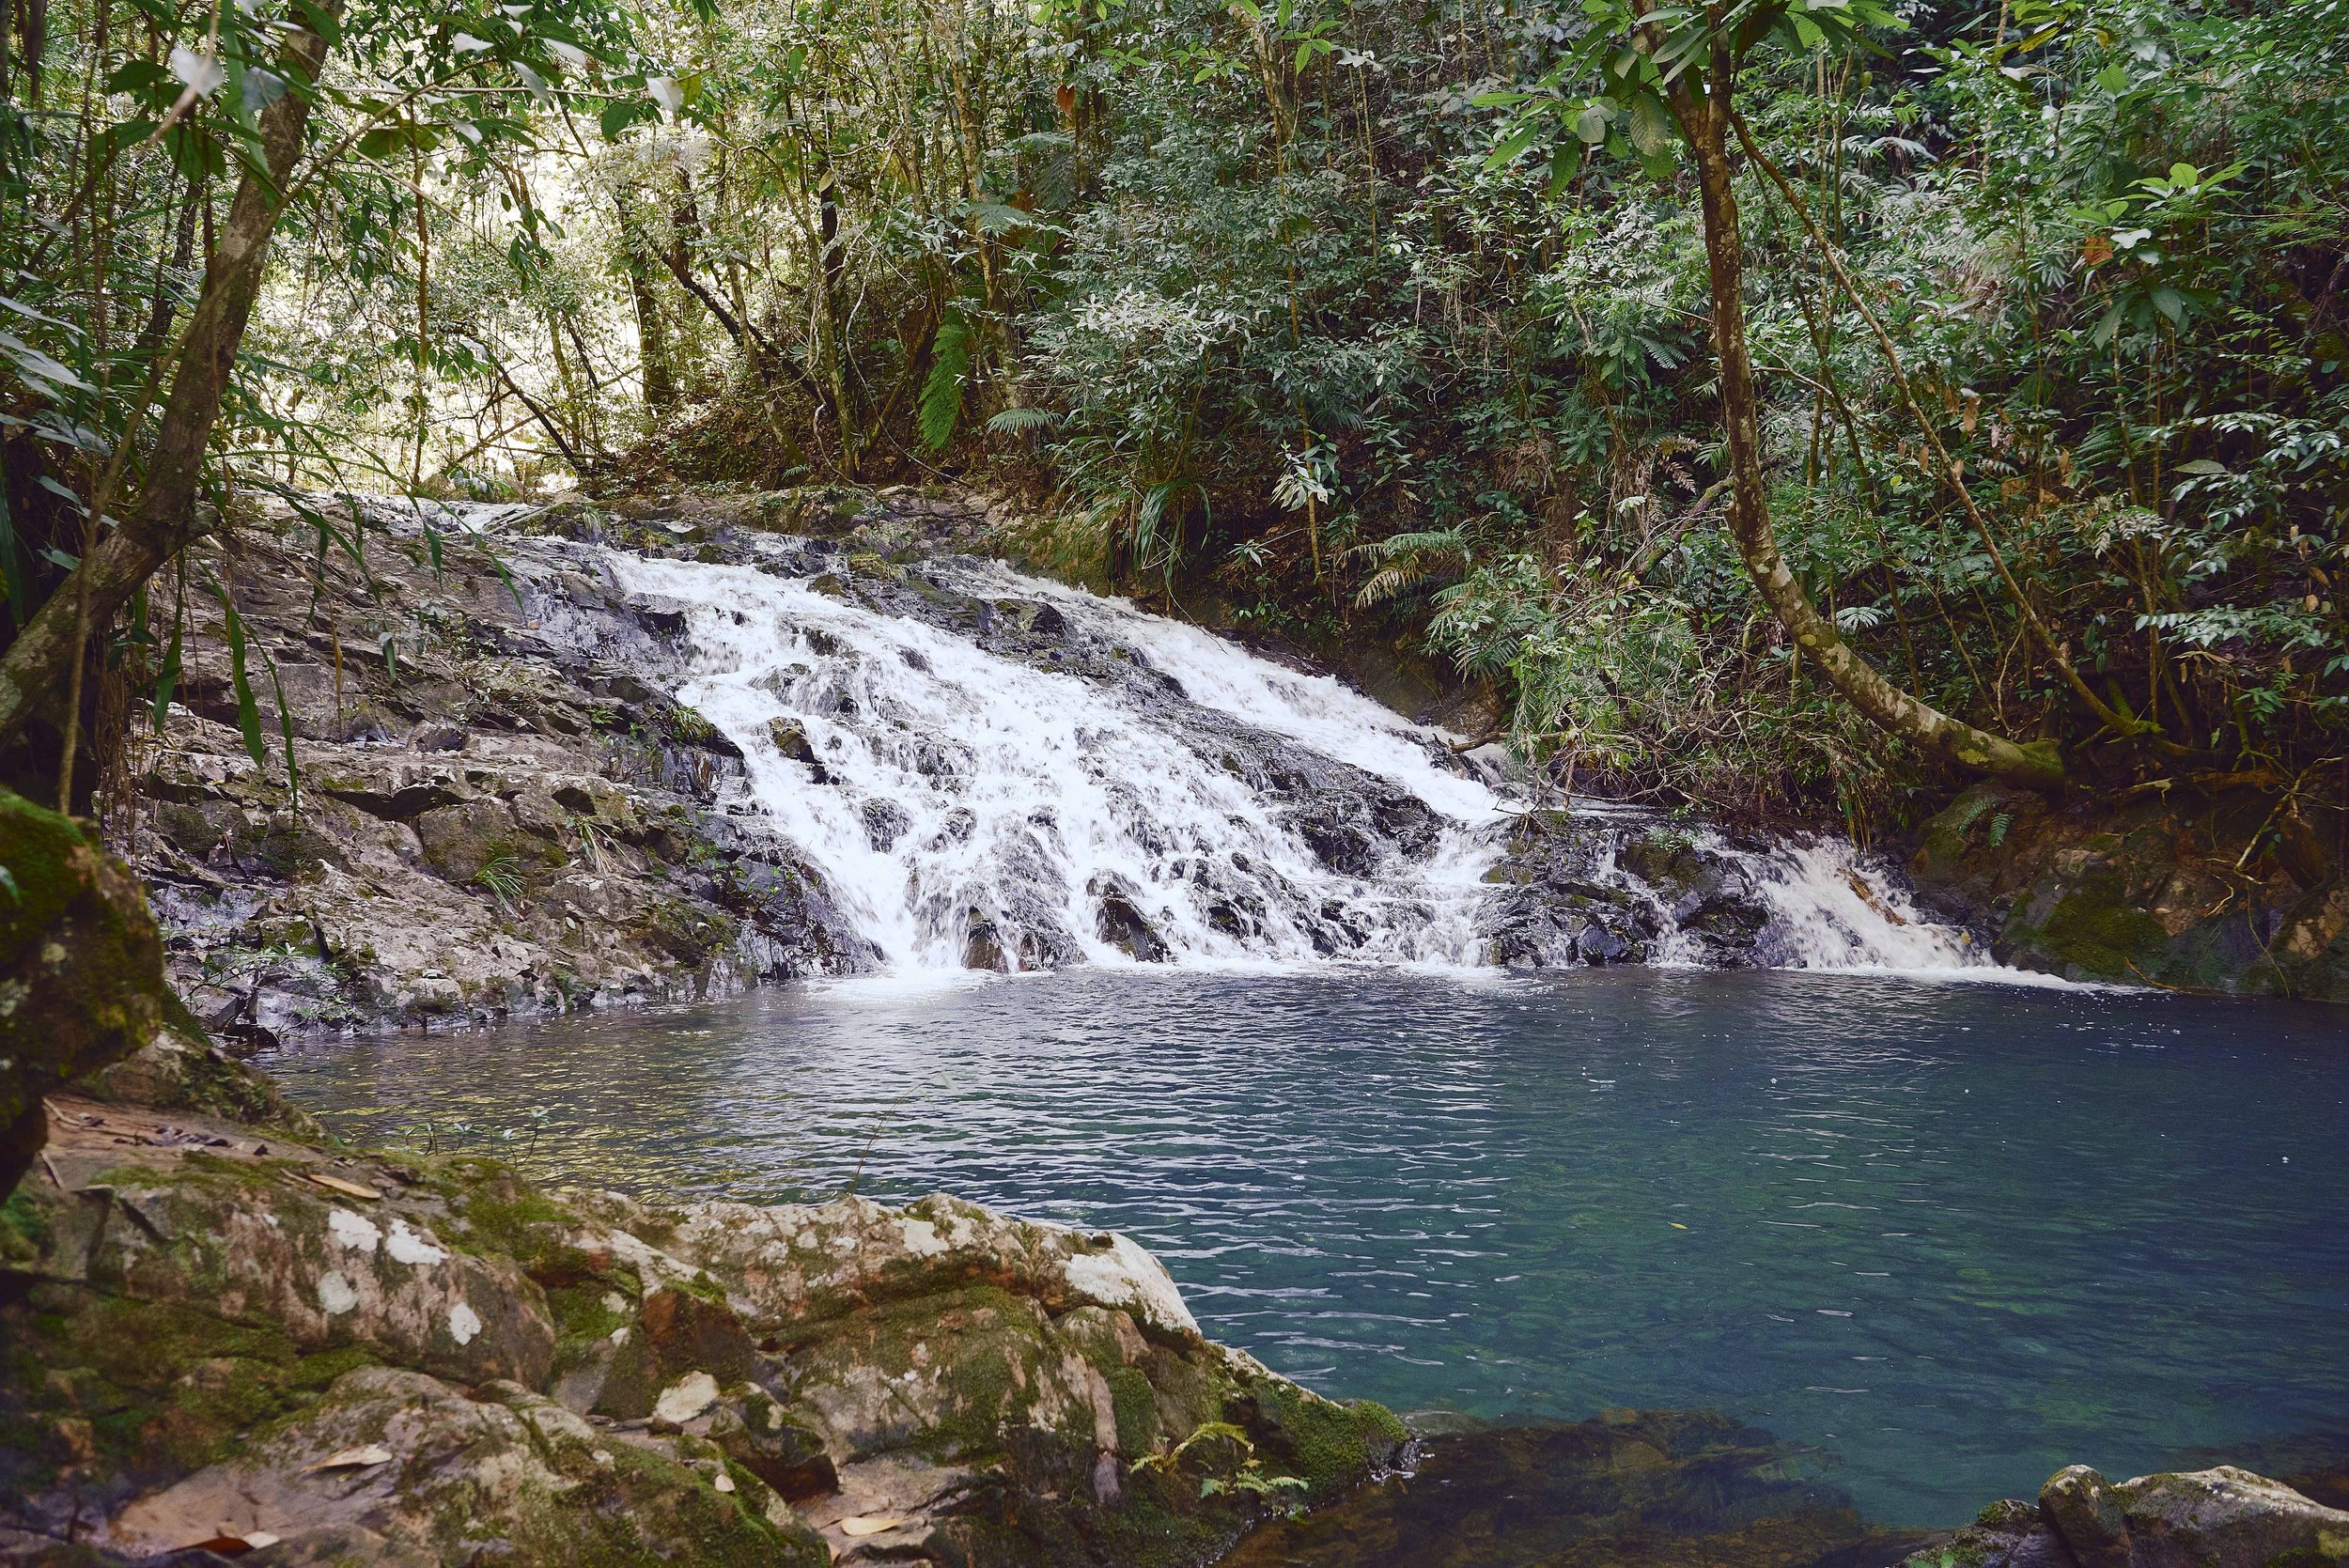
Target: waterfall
996, 772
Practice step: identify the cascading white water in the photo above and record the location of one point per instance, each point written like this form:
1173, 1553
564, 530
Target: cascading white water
965, 794
1829, 910
977, 805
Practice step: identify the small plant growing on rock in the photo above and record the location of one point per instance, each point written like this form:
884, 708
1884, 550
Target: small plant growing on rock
1248, 1478
500, 879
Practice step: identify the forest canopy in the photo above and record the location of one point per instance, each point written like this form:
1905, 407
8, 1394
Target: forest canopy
1395, 320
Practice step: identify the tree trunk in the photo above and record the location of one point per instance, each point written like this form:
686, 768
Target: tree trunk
652, 334
1705, 124
35, 671
166, 301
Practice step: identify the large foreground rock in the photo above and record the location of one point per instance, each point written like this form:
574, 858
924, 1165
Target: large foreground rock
80, 968
2217, 1518
225, 1332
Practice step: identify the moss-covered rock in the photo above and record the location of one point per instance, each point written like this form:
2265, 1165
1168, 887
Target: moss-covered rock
180, 1069
209, 1323
80, 968
397, 1462
1632, 1489
2216, 894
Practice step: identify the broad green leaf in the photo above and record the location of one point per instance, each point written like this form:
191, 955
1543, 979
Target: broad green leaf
1651, 127
1511, 146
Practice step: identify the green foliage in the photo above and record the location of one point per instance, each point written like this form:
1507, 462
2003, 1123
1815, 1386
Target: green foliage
502, 880
941, 391
1367, 324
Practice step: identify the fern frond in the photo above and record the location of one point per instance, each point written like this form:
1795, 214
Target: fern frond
941, 391
1390, 582
1012, 422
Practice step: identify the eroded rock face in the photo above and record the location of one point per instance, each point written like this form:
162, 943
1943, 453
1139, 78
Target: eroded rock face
80, 968
218, 1327
502, 810
2227, 894
2223, 1517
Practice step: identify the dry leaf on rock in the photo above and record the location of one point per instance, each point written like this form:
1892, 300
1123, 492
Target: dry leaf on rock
869, 1524
335, 1184
349, 1459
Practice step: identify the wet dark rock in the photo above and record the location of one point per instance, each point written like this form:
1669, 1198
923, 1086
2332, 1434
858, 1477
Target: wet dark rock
1599, 945
1341, 846
1671, 1489
886, 823
662, 620
791, 738
982, 944
1603, 888
1122, 925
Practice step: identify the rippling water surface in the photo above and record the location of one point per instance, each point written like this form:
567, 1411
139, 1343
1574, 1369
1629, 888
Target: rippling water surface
1956, 1235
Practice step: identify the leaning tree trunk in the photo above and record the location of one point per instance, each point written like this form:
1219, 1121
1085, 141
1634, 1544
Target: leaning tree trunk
35, 672
1704, 122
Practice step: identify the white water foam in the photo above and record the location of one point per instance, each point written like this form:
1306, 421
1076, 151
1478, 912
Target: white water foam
955, 796
968, 789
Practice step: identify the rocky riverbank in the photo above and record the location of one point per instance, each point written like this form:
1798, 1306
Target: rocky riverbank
230, 1337
227, 1332
496, 805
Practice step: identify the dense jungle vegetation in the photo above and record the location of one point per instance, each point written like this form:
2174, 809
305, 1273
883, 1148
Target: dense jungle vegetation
2018, 449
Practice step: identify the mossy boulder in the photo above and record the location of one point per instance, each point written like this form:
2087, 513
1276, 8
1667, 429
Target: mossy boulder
983, 1389
462, 840
1687, 1488
80, 968
180, 1069
2222, 894
395, 1464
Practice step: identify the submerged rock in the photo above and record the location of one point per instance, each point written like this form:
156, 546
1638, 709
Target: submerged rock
1671, 1489
2223, 1517
227, 1332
